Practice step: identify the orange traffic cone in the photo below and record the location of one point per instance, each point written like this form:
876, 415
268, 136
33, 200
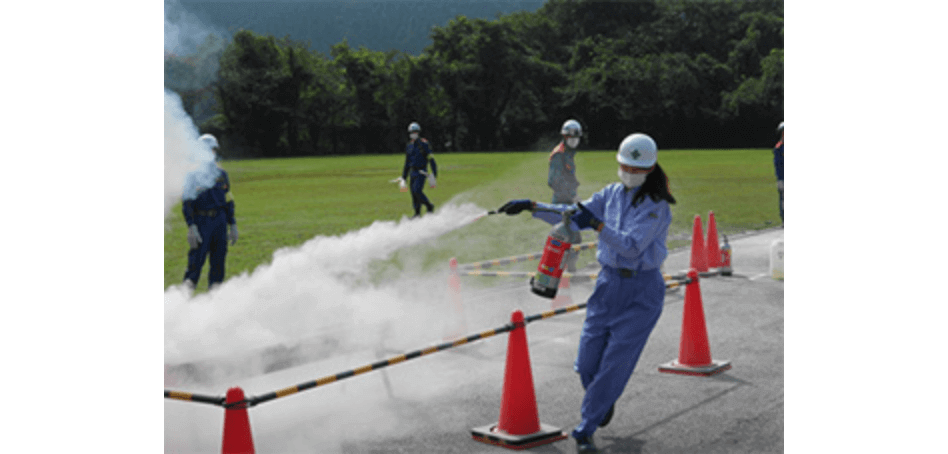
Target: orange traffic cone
459, 326
714, 251
519, 425
237, 436
698, 254
694, 354
564, 296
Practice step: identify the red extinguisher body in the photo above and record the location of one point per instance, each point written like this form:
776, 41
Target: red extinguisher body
547, 279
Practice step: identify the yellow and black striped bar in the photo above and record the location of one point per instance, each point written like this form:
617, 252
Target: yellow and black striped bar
417, 353
517, 258
378, 365
497, 262
575, 276
554, 312
180, 395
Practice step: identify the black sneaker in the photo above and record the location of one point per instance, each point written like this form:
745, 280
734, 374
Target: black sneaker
416, 216
586, 445
608, 417
430, 208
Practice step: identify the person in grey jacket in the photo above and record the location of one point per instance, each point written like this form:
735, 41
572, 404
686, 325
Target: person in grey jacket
562, 178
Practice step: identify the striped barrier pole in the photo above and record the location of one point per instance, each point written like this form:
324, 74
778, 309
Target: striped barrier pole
180, 395
517, 258
579, 276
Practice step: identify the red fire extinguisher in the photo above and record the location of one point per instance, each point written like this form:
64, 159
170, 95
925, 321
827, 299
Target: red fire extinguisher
547, 280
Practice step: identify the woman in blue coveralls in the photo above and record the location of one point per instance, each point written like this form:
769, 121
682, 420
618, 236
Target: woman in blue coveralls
632, 218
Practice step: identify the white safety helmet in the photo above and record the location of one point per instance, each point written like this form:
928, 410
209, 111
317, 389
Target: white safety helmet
571, 128
638, 150
210, 141
780, 128
414, 127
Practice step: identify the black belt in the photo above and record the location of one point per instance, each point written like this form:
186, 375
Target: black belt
208, 213
625, 272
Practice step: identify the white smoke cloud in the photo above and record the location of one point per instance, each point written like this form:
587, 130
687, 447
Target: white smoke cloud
318, 301
185, 32
184, 154
318, 286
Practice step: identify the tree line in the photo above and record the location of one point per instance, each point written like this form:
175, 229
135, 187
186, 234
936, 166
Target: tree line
692, 74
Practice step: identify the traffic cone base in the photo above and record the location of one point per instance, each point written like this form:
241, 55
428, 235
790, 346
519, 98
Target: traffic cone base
674, 367
490, 434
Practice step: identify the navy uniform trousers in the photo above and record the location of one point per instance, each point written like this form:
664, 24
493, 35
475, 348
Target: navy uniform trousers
213, 230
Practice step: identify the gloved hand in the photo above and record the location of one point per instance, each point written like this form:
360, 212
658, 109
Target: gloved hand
516, 206
232, 234
401, 185
431, 180
585, 219
194, 237
780, 185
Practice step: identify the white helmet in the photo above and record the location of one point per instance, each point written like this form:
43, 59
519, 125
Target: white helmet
780, 127
414, 127
210, 141
571, 128
638, 150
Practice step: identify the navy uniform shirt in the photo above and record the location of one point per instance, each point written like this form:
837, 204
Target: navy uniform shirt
216, 197
417, 155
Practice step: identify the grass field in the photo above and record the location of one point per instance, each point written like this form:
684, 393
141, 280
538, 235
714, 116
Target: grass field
282, 203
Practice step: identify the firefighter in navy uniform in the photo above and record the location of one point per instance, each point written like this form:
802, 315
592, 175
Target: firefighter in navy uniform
210, 219
417, 158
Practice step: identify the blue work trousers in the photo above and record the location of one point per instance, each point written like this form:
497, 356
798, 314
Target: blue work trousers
213, 230
620, 315
418, 197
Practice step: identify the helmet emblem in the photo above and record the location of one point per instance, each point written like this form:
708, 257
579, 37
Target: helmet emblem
636, 154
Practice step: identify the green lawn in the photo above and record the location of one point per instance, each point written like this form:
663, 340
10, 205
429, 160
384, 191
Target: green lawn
284, 202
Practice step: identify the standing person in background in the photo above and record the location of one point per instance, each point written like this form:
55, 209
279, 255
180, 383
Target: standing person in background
632, 218
208, 212
778, 167
562, 179
417, 158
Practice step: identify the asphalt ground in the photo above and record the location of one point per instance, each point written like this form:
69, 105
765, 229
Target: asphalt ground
430, 404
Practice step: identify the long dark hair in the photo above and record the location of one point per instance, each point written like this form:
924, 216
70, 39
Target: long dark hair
655, 186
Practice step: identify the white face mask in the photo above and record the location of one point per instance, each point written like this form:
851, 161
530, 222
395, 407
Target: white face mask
414, 136
572, 142
632, 180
